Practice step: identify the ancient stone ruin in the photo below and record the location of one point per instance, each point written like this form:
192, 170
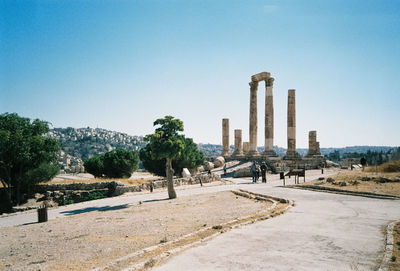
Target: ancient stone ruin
248, 150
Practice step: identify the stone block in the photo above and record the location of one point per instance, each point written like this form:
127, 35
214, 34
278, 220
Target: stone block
219, 161
243, 172
208, 166
260, 76
185, 173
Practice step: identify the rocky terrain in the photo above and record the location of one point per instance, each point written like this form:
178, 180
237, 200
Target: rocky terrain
79, 144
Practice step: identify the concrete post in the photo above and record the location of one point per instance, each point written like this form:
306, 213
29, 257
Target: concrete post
225, 137
253, 119
269, 118
238, 143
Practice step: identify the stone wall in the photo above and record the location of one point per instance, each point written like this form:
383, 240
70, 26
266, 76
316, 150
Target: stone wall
205, 178
114, 188
77, 186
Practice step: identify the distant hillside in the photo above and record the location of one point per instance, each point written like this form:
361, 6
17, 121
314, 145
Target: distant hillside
79, 144
358, 149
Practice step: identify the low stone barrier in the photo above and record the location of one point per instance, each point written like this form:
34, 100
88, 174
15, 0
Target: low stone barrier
204, 178
77, 186
79, 191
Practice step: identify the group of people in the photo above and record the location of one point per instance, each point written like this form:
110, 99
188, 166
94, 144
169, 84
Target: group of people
257, 170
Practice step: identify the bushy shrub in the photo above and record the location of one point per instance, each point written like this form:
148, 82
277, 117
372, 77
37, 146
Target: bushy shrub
120, 163
117, 163
95, 166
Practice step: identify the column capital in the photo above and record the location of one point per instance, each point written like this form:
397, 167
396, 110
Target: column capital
269, 82
253, 85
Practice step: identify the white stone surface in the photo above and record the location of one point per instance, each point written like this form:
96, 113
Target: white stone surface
185, 173
219, 161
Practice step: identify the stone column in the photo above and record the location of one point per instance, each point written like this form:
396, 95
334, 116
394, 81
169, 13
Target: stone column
253, 119
225, 137
312, 140
269, 118
291, 152
238, 143
245, 147
317, 149
313, 145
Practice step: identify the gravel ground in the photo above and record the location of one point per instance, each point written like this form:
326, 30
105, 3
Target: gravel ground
355, 183
88, 240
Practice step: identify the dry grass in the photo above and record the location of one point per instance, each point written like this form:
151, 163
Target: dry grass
395, 265
391, 166
351, 175
354, 182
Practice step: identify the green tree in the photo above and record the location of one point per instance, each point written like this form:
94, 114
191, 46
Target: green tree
94, 165
166, 143
190, 157
117, 163
120, 163
156, 166
27, 157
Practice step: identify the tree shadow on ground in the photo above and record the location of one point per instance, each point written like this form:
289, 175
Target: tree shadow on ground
92, 209
155, 200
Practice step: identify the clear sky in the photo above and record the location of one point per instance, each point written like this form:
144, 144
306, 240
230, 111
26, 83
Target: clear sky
120, 65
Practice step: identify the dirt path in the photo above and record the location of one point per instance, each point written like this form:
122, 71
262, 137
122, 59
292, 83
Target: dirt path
89, 240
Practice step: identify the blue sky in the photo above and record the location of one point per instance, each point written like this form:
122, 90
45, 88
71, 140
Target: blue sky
120, 65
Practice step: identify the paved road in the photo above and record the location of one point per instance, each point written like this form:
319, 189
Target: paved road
322, 232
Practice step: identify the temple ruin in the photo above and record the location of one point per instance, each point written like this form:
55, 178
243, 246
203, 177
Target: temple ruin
248, 150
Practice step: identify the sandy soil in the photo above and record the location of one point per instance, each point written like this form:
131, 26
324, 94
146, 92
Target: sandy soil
395, 265
96, 238
350, 177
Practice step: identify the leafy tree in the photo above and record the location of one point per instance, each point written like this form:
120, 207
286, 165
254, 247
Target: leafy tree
166, 143
190, 157
120, 163
396, 154
334, 156
27, 157
94, 165
156, 166
117, 163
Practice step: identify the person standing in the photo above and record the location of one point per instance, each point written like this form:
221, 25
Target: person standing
264, 172
254, 171
225, 170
